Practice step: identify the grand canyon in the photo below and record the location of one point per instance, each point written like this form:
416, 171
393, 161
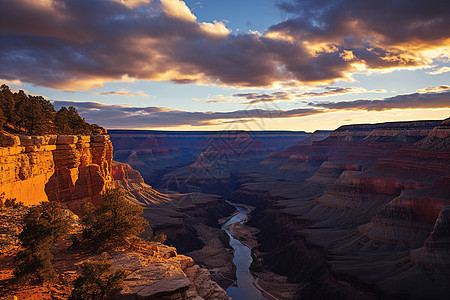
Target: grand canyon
245, 150
361, 212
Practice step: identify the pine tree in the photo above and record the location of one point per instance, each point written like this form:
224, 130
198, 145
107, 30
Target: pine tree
62, 121
76, 123
7, 104
48, 114
34, 123
21, 104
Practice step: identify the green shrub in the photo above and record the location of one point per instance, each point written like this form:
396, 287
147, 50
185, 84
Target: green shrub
44, 225
98, 280
35, 263
110, 224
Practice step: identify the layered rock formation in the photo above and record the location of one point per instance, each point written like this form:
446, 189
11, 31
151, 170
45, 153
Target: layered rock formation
156, 153
76, 170
70, 169
370, 207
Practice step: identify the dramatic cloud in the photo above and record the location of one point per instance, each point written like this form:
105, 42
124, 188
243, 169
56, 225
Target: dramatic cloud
416, 100
80, 44
369, 34
383, 23
440, 71
122, 116
436, 89
254, 98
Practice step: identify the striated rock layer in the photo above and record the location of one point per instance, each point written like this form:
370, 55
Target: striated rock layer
69, 169
371, 220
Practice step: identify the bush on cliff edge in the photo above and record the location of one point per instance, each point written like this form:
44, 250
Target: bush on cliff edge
112, 222
98, 280
44, 225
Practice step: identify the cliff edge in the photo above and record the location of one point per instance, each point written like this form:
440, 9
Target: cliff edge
65, 168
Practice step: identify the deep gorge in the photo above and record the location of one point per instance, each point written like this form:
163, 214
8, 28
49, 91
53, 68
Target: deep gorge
327, 205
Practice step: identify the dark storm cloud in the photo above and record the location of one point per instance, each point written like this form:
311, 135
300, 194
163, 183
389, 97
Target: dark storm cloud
80, 44
393, 22
415, 100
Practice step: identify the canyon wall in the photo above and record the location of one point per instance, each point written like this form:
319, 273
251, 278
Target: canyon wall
370, 220
75, 170
65, 168
158, 153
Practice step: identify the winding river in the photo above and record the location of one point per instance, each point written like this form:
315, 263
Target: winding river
245, 289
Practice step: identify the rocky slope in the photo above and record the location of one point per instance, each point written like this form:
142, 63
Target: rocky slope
75, 170
70, 169
367, 210
190, 221
156, 271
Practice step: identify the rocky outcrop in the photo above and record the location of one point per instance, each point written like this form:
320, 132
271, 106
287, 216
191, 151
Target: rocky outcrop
435, 253
136, 189
158, 272
70, 169
405, 132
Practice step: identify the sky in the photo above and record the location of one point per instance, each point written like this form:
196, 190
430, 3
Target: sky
226, 65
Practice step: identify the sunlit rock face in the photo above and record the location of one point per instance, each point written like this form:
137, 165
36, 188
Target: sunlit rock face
70, 169
158, 272
136, 189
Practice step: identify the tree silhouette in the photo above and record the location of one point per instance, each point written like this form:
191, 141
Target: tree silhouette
35, 115
21, 104
7, 104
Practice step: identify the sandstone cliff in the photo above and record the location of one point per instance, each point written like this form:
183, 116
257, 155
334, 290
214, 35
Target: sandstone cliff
69, 169
78, 169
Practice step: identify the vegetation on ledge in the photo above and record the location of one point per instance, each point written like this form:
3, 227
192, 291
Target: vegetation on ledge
34, 115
